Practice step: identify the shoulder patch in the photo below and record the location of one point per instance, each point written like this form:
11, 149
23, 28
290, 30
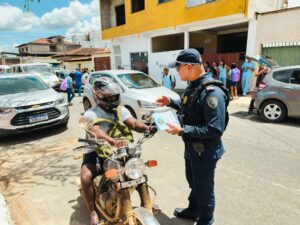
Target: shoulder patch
210, 88
212, 102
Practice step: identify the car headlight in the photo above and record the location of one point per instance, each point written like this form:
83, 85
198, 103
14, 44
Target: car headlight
135, 168
149, 105
60, 100
5, 110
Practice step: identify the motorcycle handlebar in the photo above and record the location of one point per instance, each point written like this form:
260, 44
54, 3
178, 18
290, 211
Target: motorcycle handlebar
87, 141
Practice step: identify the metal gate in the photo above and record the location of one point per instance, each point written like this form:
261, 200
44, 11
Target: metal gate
102, 63
285, 56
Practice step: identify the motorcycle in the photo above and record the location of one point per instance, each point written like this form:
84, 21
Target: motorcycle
124, 173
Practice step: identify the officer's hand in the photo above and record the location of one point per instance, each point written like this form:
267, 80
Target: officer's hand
174, 129
163, 101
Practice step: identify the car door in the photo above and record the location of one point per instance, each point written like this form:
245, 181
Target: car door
291, 91
294, 97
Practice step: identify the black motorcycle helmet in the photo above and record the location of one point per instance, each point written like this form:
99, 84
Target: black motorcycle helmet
106, 93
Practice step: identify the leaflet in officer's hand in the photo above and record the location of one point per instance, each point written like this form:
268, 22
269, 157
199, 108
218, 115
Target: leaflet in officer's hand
162, 118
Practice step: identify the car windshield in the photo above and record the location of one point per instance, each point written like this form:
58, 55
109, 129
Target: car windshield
13, 85
42, 69
138, 80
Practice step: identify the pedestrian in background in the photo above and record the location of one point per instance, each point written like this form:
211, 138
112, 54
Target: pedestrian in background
168, 79
70, 90
222, 72
235, 75
260, 74
214, 70
248, 68
78, 81
207, 68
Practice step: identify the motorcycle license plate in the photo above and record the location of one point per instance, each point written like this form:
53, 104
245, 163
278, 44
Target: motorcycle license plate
133, 183
38, 118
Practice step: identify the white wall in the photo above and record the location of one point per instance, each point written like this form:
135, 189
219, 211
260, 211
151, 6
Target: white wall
156, 63
251, 40
293, 3
130, 45
263, 6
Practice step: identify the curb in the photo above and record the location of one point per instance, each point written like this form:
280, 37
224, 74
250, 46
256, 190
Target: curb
5, 218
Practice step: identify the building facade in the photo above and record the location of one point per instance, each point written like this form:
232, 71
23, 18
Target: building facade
146, 35
90, 40
81, 58
45, 47
278, 34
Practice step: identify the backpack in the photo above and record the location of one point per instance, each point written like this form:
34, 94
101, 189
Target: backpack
216, 83
64, 85
173, 80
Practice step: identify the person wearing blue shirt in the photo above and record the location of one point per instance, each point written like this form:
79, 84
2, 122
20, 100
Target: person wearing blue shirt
204, 117
248, 68
78, 81
222, 72
168, 80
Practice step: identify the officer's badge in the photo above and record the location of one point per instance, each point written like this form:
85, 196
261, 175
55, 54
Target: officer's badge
184, 101
212, 102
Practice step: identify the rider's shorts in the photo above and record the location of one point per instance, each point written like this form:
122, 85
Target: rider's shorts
92, 158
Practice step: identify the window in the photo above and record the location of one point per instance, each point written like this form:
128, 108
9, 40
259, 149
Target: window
137, 5
191, 3
120, 15
295, 78
139, 61
163, 1
283, 76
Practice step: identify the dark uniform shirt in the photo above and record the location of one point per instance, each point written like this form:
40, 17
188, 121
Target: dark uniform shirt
204, 117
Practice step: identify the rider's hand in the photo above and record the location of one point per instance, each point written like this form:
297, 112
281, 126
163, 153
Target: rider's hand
163, 101
120, 143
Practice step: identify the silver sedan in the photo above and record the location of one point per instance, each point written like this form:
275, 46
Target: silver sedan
27, 103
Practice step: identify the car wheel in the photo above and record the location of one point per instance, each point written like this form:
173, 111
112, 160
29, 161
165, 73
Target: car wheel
131, 111
273, 111
86, 104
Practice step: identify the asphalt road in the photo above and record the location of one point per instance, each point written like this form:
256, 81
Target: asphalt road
257, 180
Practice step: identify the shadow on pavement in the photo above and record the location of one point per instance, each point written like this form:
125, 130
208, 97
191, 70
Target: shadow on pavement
80, 216
294, 122
163, 219
12, 140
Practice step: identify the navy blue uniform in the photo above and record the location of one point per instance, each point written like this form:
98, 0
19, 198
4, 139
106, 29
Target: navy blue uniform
204, 118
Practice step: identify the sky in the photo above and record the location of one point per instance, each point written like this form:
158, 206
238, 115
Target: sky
48, 18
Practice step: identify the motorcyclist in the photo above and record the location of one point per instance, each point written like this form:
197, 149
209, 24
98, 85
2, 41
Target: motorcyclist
105, 120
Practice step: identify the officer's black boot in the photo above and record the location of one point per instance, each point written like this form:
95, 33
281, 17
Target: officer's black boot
185, 214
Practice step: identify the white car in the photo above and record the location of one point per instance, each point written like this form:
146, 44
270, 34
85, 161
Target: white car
139, 91
27, 103
43, 70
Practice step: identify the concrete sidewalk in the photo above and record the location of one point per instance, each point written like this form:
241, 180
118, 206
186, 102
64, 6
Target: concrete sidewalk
5, 218
242, 101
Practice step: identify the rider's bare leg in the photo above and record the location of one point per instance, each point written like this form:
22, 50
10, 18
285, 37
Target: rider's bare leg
88, 173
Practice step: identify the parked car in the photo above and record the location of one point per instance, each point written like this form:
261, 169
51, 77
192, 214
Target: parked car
279, 94
40, 69
4, 69
139, 91
27, 103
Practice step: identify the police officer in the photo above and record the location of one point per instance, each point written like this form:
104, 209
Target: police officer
204, 118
